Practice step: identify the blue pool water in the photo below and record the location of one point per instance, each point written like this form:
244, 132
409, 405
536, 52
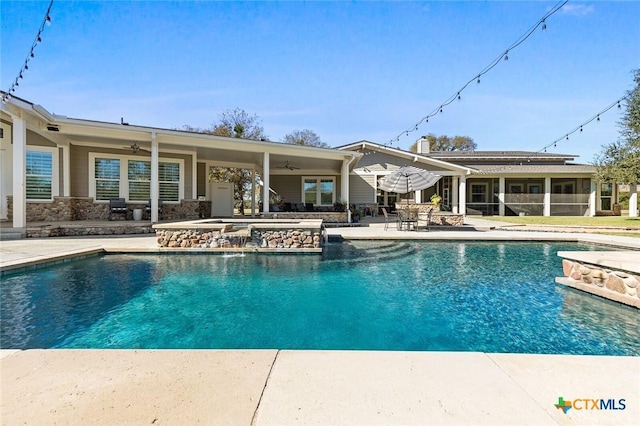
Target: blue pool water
490, 297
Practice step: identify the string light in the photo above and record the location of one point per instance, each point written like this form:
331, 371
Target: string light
503, 56
566, 135
45, 22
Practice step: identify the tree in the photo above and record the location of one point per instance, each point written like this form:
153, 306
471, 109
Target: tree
620, 160
304, 137
446, 143
236, 123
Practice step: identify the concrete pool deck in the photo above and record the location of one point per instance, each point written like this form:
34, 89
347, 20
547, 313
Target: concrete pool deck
269, 387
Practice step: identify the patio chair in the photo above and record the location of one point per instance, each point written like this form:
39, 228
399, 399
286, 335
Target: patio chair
309, 207
426, 220
147, 209
389, 218
118, 206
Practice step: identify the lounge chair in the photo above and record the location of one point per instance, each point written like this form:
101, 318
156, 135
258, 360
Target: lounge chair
389, 218
118, 206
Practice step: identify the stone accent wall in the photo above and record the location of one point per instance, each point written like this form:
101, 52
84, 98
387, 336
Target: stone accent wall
448, 219
84, 208
286, 238
257, 238
612, 284
187, 209
75, 231
197, 238
327, 217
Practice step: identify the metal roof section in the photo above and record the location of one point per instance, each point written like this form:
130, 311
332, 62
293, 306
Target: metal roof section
501, 155
537, 169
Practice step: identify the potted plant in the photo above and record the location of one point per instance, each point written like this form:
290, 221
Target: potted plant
276, 203
340, 206
355, 214
436, 200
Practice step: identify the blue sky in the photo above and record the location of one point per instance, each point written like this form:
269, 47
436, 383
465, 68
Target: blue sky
346, 70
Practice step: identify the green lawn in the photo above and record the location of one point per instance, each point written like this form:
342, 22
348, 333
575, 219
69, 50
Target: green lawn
605, 221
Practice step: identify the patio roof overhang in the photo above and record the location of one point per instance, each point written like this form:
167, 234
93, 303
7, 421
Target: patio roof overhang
218, 150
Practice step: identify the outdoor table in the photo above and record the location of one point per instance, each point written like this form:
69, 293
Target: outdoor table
408, 218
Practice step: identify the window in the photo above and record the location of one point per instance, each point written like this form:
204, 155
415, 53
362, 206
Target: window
139, 175
39, 175
107, 175
319, 191
478, 192
606, 192
169, 177
129, 177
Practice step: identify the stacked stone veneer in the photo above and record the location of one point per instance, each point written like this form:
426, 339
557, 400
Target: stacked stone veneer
612, 284
197, 238
286, 238
447, 219
62, 209
254, 238
328, 217
77, 231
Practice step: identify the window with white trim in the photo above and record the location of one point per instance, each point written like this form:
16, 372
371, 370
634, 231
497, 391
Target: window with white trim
320, 191
132, 181
139, 176
39, 175
169, 178
107, 178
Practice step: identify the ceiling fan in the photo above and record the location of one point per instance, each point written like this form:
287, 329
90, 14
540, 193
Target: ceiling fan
135, 148
287, 165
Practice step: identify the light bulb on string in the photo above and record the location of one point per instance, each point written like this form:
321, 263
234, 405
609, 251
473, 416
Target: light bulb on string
506, 56
580, 128
478, 81
459, 96
544, 25
48, 20
598, 119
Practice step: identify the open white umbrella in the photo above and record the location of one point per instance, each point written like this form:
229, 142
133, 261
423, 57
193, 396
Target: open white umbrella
407, 179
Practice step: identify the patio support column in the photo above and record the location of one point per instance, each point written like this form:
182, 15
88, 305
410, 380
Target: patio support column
344, 181
546, 209
592, 198
633, 200
66, 171
253, 192
155, 184
454, 194
194, 176
462, 194
501, 190
19, 172
265, 182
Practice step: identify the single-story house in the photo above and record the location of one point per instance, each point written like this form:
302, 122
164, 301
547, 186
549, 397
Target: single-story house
56, 168
490, 182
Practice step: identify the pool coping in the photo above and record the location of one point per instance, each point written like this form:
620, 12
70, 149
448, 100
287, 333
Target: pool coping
256, 387
316, 387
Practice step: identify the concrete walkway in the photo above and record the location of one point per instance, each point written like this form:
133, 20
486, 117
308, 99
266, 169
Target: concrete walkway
271, 387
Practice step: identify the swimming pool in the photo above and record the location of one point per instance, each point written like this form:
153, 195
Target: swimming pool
436, 296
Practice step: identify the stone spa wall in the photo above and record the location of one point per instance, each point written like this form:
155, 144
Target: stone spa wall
618, 285
219, 234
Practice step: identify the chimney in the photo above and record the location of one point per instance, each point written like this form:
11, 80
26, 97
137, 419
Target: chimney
423, 146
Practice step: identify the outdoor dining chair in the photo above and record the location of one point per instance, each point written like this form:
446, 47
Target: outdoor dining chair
389, 218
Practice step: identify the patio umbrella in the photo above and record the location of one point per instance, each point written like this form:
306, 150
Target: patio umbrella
407, 179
